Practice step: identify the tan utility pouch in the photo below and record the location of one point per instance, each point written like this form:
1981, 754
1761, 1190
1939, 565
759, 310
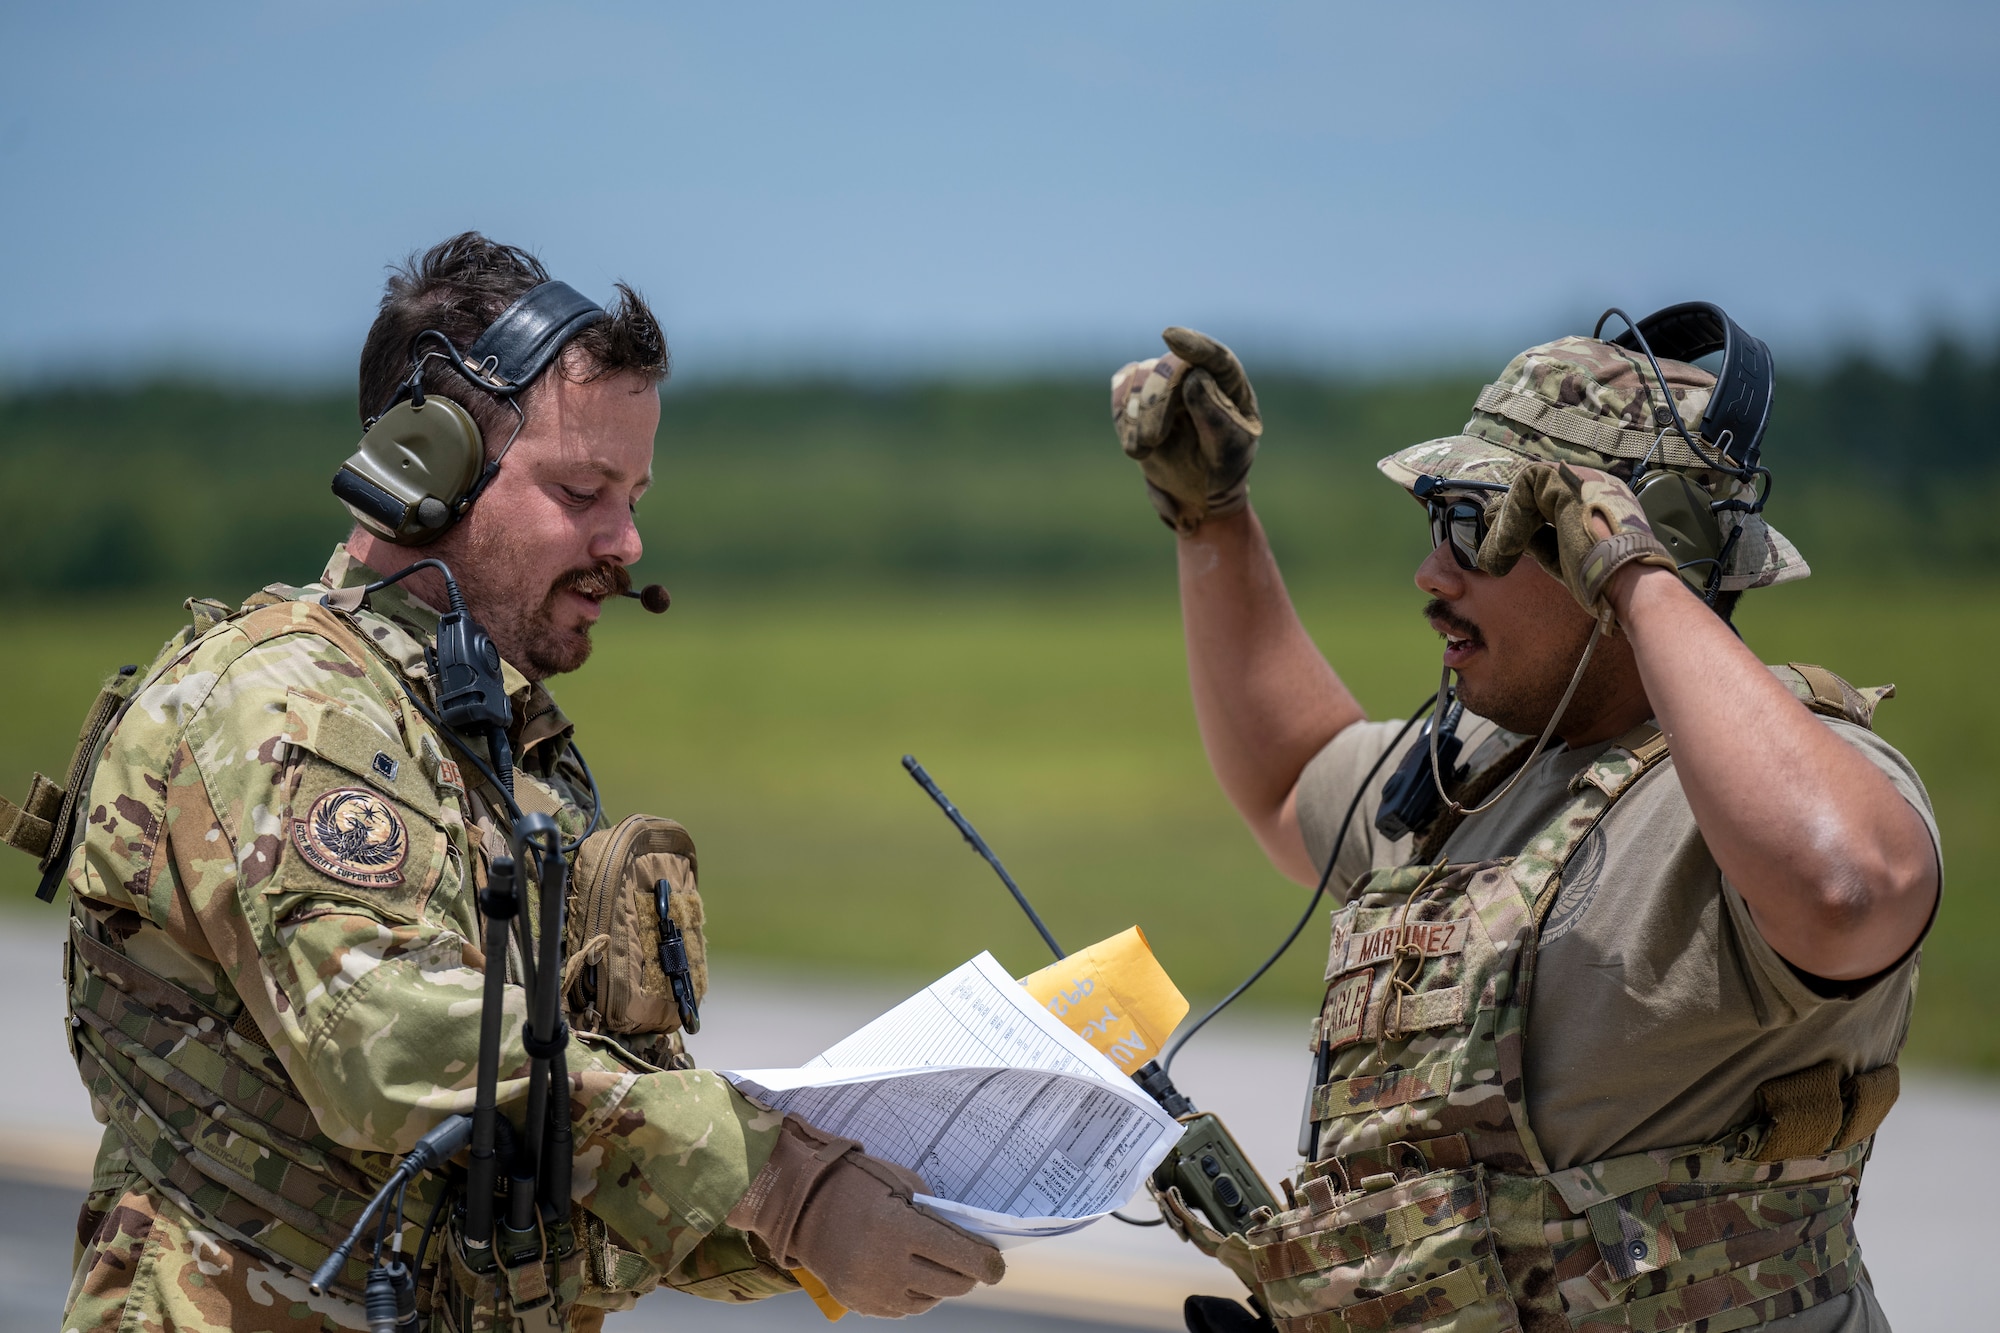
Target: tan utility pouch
615, 980
1409, 1249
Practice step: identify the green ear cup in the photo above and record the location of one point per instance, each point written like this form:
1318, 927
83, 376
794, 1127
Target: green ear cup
1678, 512
414, 465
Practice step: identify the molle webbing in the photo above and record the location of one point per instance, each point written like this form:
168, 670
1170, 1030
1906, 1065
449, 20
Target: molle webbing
211, 1120
1666, 1238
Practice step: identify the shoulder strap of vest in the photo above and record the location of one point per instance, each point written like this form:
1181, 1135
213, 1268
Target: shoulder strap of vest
1830, 696
1592, 792
1626, 760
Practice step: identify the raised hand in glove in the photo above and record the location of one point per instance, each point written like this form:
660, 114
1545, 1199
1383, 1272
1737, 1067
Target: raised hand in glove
1547, 512
1190, 421
823, 1205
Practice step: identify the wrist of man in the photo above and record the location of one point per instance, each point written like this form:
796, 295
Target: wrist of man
1226, 525
1636, 588
1189, 516
771, 1208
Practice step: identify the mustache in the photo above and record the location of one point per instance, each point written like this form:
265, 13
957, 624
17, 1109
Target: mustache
604, 580
1438, 612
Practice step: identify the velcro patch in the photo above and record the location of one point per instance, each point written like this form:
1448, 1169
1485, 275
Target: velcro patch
1346, 1012
1433, 938
355, 836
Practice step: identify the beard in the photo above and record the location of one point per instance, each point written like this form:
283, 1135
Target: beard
520, 618
1523, 696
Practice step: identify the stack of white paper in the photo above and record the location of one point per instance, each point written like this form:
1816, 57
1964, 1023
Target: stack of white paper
1022, 1129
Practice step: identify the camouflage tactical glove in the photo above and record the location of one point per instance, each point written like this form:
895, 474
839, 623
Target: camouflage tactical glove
823, 1205
1190, 421
1547, 496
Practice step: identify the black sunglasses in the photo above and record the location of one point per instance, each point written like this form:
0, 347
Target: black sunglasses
1457, 519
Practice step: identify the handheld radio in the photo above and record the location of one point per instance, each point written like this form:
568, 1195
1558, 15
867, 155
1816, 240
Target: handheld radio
1211, 1170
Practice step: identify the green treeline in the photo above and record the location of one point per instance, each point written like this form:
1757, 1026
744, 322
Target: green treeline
194, 488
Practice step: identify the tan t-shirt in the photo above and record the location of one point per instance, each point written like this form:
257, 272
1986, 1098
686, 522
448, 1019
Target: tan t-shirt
1657, 1007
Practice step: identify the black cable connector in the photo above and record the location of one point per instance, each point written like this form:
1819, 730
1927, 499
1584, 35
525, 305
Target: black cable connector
443, 1142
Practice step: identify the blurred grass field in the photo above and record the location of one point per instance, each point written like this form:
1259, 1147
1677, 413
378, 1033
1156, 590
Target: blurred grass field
771, 722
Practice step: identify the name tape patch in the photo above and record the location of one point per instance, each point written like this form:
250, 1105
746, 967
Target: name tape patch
1433, 938
1346, 1011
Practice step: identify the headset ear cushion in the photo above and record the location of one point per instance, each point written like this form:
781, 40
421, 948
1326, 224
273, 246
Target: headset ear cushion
1678, 512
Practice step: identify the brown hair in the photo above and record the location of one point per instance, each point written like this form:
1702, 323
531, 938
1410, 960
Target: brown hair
461, 285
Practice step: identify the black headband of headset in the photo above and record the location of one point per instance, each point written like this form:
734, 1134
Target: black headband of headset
528, 334
1741, 401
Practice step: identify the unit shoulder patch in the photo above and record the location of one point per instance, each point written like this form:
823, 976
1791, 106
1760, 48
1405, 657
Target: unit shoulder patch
355, 836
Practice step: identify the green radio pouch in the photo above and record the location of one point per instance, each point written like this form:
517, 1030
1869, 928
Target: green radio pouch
1214, 1176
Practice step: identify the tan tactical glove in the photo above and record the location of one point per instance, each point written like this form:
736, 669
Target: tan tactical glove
1548, 496
823, 1205
1190, 421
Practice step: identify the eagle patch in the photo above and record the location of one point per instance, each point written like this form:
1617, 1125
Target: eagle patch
351, 834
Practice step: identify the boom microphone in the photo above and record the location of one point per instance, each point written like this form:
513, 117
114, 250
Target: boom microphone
653, 597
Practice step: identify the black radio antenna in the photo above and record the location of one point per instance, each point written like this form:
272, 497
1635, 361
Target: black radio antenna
1151, 1076
979, 845
1208, 1165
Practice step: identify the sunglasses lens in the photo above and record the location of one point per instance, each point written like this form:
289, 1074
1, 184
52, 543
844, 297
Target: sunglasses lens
1468, 529
1462, 524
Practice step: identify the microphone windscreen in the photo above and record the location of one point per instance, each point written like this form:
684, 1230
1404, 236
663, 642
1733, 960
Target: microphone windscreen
655, 598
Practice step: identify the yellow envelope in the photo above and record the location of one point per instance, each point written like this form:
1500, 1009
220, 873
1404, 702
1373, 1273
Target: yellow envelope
821, 1297
1115, 995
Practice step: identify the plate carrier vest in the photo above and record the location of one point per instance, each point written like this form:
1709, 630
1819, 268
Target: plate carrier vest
1430, 1204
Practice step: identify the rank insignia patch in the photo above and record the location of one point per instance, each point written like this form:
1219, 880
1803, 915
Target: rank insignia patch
353, 835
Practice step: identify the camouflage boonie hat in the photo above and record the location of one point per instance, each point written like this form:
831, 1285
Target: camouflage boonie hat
1582, 400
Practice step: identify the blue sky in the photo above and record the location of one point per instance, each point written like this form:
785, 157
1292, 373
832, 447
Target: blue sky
912, 187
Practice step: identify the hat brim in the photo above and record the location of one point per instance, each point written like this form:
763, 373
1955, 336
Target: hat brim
1761, 557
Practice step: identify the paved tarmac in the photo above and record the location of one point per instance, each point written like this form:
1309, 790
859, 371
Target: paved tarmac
1107, 1278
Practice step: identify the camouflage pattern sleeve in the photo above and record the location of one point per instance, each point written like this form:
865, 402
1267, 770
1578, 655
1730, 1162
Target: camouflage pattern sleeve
306, 850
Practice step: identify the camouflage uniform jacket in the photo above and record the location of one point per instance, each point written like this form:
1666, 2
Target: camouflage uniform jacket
1428, 1201
265, 1023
